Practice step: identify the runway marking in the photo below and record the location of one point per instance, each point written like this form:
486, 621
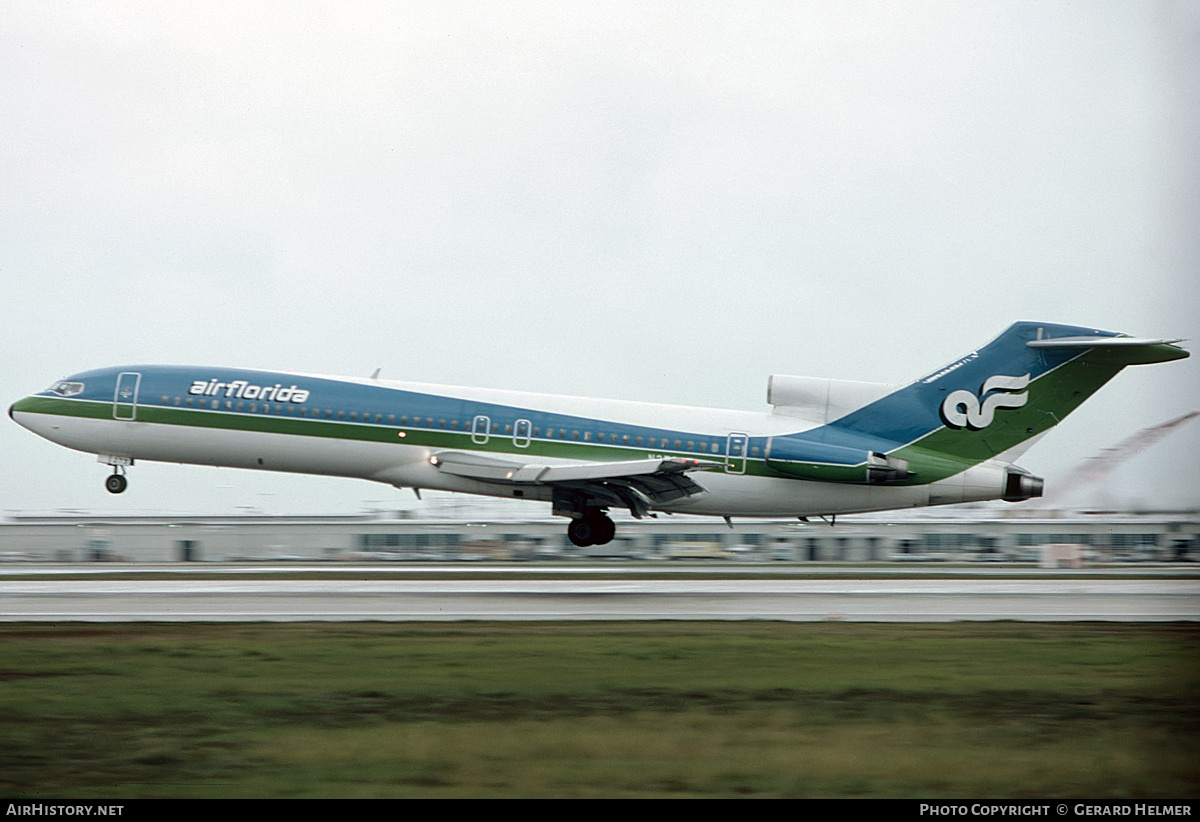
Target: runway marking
849, 600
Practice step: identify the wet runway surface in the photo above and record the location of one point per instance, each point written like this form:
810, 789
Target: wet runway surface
1063, 598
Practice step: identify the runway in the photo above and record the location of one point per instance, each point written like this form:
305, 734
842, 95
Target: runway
801, 600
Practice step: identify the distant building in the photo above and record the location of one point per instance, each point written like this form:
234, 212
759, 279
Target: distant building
1109, 538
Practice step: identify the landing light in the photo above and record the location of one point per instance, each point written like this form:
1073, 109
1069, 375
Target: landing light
433, 460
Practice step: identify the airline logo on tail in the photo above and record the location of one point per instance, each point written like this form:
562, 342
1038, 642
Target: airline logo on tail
963, 409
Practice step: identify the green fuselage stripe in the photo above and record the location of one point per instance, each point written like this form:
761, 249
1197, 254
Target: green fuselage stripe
419, 436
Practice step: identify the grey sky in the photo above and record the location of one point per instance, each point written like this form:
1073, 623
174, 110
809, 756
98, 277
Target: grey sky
657, 201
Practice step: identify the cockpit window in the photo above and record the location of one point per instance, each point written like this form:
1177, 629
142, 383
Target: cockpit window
66, 389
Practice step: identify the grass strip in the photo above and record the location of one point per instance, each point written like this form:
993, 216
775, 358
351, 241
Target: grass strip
721, 709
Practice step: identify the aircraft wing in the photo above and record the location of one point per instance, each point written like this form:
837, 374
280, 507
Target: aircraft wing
636, 484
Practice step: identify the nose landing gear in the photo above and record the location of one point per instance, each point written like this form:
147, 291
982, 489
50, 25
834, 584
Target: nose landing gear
116, 483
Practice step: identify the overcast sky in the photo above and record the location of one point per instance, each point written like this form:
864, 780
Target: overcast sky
658, 201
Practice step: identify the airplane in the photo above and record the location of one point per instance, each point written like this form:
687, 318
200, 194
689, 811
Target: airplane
826, 447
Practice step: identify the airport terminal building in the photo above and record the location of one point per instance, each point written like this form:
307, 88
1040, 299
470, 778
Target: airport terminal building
402, 537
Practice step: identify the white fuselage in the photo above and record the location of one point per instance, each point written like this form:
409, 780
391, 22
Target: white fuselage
729, 492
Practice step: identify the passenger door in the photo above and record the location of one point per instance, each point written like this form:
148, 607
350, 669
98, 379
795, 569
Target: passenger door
125, 397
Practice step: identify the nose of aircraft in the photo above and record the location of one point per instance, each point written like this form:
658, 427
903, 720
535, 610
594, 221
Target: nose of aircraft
18, 407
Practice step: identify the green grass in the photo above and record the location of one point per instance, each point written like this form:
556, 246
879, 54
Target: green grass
672, 709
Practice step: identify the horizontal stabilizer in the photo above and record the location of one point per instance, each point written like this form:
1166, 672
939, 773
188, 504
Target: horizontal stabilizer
1098, 342
1119, 350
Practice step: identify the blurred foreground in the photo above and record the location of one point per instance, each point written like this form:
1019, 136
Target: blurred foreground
741, 709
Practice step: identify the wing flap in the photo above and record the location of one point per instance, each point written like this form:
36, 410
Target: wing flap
478, 466
635, 484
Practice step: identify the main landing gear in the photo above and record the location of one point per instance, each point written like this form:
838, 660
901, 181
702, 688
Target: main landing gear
590, 524
593, 528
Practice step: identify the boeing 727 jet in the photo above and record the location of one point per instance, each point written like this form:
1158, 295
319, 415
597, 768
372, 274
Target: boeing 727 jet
826, 447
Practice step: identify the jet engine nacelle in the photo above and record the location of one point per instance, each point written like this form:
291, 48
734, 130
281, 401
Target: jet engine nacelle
986, 481
821, 400
1019, 486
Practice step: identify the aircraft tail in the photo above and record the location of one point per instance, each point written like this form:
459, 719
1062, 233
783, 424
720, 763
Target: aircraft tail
984, 404
1014, 389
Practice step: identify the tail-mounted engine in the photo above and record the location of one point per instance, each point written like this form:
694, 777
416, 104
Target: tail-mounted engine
1020, 486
